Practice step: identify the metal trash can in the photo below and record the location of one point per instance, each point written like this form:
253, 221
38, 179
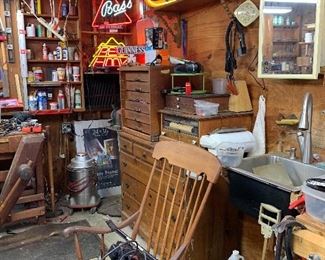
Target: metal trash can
82, 182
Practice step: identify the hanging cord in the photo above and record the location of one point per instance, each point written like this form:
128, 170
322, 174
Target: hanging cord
251, 68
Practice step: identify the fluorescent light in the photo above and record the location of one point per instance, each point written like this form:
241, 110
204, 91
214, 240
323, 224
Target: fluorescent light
277, 10
293, 1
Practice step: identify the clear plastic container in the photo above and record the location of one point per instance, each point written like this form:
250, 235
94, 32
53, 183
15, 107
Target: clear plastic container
205, 108
315, 202
230, 155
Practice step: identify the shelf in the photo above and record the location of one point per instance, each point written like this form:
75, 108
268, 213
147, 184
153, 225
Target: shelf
53, 61
70, 17
52, 83
50, 39
182, 6
285, 26
284, 42
79, 110
187, 74
106, 33
284, 56
306, 43
51, 112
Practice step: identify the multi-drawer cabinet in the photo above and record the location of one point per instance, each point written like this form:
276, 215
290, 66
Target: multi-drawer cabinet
189, 128
141, 98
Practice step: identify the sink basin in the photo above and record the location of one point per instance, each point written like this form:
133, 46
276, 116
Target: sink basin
296, 171
268, 179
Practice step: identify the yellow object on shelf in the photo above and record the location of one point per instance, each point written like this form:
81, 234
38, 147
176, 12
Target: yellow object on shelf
287, 122
159, 3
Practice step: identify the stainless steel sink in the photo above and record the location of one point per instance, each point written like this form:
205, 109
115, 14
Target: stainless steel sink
297, 171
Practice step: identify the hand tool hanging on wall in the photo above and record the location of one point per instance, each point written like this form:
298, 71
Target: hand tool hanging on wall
233, 29
4, 65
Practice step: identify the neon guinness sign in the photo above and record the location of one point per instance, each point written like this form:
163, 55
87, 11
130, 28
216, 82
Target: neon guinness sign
112, 13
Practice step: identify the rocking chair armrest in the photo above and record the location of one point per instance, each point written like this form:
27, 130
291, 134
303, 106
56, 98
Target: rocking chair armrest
180, 251
99, 230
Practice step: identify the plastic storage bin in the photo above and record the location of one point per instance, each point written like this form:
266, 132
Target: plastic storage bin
315, 202
205, 108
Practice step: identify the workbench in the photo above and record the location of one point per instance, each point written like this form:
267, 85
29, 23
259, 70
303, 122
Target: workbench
31, 204
310, 240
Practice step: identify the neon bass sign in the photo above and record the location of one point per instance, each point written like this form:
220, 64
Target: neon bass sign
110, 9
112, 13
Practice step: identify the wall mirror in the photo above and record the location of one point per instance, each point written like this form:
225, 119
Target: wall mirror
290, 39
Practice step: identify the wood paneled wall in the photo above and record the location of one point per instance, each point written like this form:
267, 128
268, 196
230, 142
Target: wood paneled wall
206, 30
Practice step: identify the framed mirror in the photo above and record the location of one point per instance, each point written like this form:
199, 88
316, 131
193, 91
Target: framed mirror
290, 38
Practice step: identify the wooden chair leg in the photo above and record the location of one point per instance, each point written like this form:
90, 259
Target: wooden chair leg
77, 247
102, 246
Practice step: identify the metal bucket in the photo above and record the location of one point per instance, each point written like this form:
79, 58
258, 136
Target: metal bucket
82, 182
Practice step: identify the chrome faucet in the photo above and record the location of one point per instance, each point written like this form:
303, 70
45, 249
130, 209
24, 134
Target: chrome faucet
304, 133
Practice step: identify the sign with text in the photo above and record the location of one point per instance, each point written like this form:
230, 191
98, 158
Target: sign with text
112, 13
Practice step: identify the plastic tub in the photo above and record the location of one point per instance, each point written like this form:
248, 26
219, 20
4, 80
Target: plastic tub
229, 155
315, 202
219, 86
205, 108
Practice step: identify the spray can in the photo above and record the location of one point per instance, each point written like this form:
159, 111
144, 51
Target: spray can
40, 100
61, 99
44, 51
77, 99
188, 88
64, 8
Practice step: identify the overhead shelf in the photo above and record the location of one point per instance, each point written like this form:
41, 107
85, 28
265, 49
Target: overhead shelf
182, 6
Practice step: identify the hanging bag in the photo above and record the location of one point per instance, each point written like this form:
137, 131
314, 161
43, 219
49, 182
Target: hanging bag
259, 129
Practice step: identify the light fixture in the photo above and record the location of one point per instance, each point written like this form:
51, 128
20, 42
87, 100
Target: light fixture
293, 1
277, 10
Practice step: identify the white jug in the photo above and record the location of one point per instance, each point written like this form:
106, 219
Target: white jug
236, 256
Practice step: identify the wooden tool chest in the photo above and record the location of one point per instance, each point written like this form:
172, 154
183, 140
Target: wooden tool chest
189, 128
141, 98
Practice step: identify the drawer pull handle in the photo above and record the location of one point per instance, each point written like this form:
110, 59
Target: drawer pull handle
125, 146
178, 107
124, 164
193, 141
144, 155
163, 133
178, 99
127, 185
138, 89
138, 110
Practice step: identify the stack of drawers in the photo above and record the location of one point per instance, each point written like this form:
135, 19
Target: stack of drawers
141, 98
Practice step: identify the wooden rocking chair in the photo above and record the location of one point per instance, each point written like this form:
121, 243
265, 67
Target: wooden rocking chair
182, 176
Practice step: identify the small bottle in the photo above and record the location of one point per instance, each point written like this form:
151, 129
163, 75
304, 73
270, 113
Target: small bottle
40, 100
44, 100
188, 88
50, 56
64, 9
77, 99
45, 54
54, 55
65, 53
59, 52
236, 256
61, 99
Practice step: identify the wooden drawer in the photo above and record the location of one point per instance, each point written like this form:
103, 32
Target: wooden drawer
180, 136
186, 103
134, 188
136, 76
143, 154
137, 116
126, 145
137, 106
136, 125
137, 86
138, 96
